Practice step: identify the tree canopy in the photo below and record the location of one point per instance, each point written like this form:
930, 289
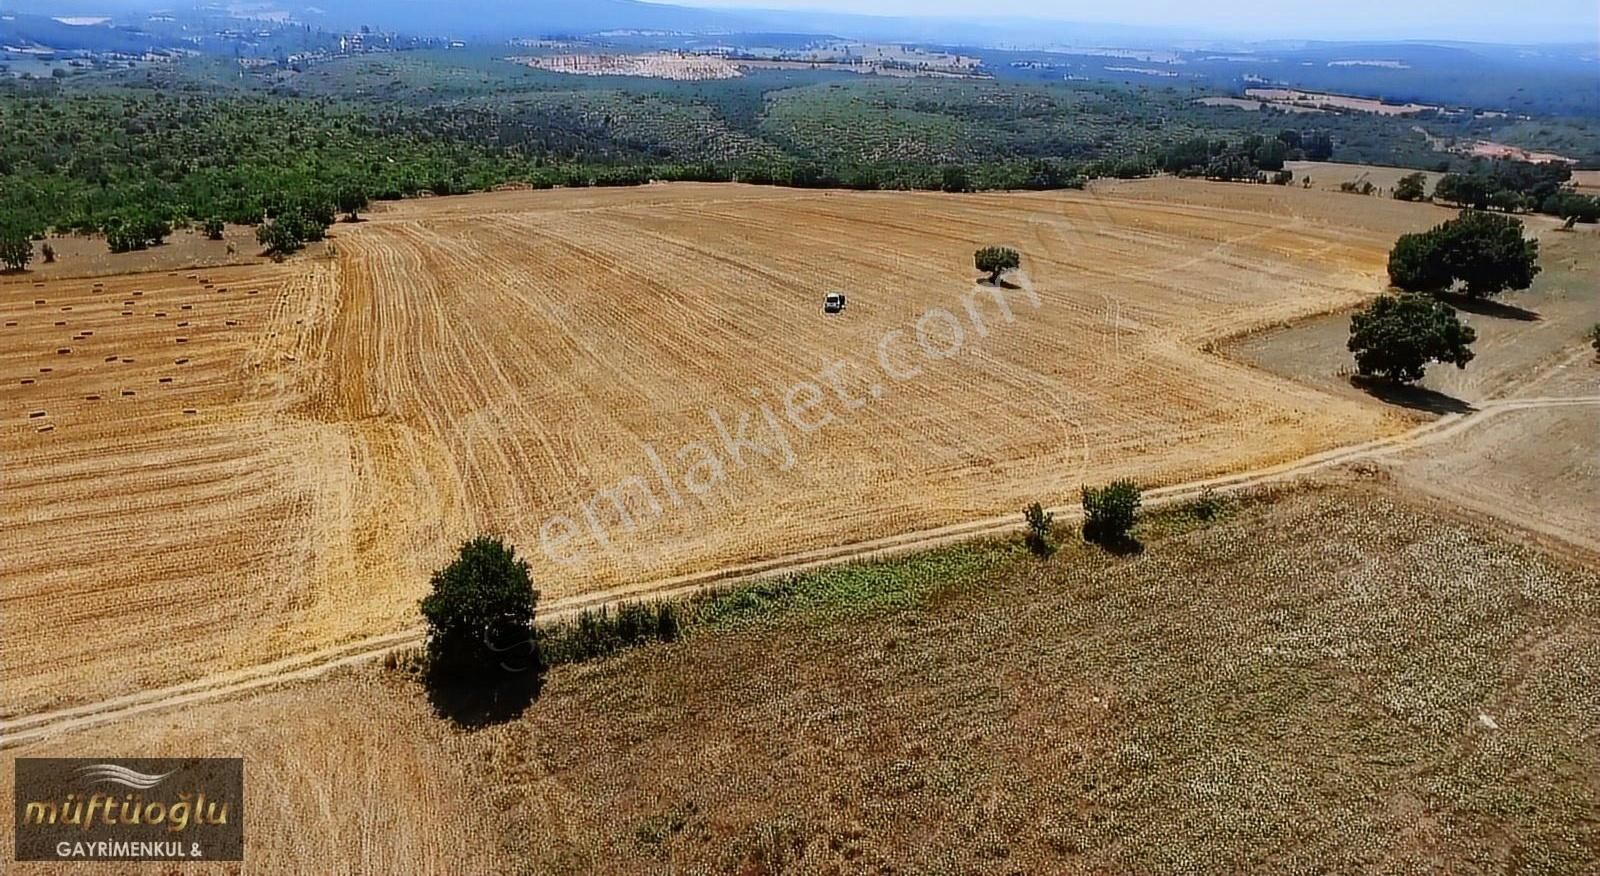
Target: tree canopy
996, 260
1485, 252
480, 611
16, 249
1396, 337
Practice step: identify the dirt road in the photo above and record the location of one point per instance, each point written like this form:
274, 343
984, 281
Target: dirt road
29, 728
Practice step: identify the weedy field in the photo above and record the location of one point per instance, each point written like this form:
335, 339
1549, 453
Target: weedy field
1405, 692
210, 469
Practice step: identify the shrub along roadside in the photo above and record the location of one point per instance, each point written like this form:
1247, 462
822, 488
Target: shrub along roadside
900, 583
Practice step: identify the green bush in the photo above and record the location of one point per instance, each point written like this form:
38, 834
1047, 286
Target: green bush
1110, 512
1207, 505
1039, 523
598, 633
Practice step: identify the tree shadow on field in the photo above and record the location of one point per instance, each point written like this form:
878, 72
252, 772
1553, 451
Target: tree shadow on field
1485, 307
1123, 546
1003, 284
482, 699
1416, 398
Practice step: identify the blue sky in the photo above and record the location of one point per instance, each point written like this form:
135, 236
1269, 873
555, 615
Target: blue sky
1491, 20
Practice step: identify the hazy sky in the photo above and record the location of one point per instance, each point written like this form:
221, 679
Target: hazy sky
1496, 20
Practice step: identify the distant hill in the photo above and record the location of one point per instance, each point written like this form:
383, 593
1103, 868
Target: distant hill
503, 18
40, 31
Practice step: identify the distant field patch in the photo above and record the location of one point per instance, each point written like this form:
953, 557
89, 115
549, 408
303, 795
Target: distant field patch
1320, 100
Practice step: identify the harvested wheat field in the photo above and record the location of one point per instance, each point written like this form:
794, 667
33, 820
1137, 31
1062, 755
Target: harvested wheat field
208, 470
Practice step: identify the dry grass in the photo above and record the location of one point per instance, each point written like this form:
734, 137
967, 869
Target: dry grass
1320, 100
1327, 680
663, 65
351, 775
1519, 336
478, 364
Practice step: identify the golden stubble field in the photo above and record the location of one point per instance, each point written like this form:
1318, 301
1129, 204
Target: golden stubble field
231, 465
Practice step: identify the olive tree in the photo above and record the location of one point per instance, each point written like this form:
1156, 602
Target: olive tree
995, 261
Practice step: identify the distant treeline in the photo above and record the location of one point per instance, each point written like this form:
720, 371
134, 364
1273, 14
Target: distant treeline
134, 163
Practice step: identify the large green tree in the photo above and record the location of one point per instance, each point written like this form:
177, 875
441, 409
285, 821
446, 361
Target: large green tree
1486, 253
16, 249
1396, 337
480, 613
1412, 187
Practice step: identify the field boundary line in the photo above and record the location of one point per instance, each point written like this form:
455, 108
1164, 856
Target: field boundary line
302, 667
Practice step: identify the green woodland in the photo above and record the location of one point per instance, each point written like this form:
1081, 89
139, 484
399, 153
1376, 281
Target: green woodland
133, 153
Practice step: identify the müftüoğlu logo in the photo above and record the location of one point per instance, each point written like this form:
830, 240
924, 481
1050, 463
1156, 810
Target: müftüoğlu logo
134, 809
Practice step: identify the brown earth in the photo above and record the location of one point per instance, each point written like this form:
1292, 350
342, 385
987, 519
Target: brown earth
259, 475
1520, 336
80, 256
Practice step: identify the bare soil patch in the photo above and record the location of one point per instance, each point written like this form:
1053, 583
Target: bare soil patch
1518, 336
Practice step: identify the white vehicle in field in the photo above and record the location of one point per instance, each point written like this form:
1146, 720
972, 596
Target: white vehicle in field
833, 303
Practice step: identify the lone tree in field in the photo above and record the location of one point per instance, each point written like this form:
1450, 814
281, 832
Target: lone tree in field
16, 250
351, 202
1485, 252
213, 228
1412, 187
1110, 512
995, 261
1396, 337
483, 654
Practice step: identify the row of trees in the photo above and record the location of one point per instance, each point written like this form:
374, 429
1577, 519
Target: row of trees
1509, 186
1253, 159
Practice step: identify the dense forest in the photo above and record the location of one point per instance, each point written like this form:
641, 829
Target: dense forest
131, 153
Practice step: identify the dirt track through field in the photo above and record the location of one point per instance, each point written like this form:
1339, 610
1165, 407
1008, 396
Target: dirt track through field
311, 665
228, 470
